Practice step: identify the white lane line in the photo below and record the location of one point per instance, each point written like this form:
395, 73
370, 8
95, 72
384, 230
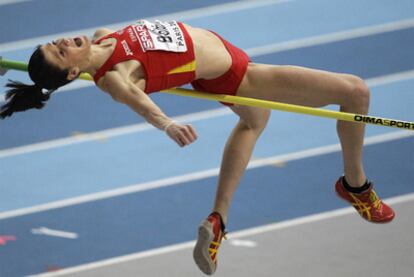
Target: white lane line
281, 159
109, 133
332, 37
390, 78
382, 80
196, 176
182, 16
8, 2
236, 235
242, 243
54, 233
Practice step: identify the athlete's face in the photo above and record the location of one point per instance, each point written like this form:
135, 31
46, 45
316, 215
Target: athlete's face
68, 53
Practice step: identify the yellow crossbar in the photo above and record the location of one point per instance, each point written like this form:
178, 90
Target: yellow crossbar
366, 119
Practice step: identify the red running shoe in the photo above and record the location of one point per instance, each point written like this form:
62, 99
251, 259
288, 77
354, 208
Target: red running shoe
210, 233
367, 203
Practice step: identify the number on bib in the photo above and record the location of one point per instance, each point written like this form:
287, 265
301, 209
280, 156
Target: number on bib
165, 36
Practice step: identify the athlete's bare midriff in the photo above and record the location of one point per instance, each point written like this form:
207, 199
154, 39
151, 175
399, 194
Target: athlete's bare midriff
211, 55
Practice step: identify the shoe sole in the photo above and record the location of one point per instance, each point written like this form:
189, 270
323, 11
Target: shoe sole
200, 254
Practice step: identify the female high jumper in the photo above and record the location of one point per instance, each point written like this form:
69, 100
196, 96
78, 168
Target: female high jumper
147, 57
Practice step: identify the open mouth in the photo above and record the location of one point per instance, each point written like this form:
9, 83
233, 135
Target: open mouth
78, 42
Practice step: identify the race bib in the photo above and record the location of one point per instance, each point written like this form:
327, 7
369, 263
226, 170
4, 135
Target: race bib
166, 36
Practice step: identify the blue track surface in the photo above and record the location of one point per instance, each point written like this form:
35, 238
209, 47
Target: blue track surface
106, 232
137, 221
77, 14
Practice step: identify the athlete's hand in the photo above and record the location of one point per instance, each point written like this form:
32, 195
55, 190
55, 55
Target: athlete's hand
182, 134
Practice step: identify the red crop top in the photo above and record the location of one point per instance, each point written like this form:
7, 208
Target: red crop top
164, 49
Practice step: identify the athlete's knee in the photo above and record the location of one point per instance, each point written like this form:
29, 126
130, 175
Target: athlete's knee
362, 91
359, 93
255, 123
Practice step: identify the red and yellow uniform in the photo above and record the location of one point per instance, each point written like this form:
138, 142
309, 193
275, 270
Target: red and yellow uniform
166, 53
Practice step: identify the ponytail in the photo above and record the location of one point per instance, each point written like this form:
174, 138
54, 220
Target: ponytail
21, 97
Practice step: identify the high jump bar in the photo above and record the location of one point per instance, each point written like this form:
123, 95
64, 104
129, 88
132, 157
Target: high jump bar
6, 65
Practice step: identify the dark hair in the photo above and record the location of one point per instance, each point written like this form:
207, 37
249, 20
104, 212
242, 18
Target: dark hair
21, 97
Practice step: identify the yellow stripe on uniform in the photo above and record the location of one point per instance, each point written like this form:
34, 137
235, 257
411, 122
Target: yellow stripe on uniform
188, 67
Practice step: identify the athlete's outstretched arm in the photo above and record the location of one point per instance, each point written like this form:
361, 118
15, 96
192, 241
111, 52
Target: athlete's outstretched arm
128, 93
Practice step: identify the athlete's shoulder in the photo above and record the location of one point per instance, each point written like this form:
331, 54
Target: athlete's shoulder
110, 80
101, 32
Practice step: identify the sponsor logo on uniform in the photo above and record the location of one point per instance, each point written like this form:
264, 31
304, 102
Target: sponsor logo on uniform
144, 38
127, 50
132, 35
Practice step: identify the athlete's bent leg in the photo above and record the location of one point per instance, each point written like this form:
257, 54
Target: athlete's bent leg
316, 88
237, 153
236, 156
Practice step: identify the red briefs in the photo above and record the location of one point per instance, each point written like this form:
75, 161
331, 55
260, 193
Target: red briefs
229, 82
